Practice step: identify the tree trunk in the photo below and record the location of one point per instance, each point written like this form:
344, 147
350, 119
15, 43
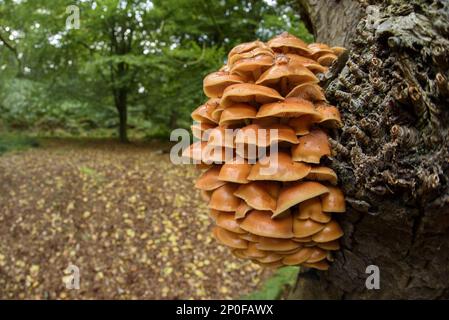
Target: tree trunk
121, 103
392, 155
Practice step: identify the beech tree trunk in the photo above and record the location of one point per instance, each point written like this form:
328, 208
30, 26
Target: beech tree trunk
392, 155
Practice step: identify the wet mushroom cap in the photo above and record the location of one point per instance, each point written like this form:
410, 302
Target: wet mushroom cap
278, 167
329, 115
221, 136
338, 50
227, 221
250, 237
330, 232
334, 201
308, 91
229, 239
327, 59
242, 210
209, 179
248, 92
215, 83
322, 265
302, 125
264, 136
236, 171
246, 47
289, 108
257, 195
298, 257
310, 64
298, 192
204, 112
286, 42
306, 228
311, 209
331, 245
311, 147
270, 257
317, 255
273, 244
223, 198
322, 173
237, 113
253, 252
260, 223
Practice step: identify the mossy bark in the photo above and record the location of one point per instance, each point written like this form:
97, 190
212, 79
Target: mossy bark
392, 155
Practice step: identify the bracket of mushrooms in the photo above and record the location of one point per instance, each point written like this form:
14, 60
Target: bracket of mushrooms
273, 217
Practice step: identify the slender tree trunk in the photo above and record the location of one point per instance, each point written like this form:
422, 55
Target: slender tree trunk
392, 155
121, 103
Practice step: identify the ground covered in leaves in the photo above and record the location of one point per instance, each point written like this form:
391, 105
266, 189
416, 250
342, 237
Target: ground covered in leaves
128, 218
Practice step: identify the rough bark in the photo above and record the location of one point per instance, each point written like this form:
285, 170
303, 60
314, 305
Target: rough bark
392, 155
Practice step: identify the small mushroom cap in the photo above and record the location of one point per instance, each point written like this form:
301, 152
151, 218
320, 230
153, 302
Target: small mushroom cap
204, 112
270, 257
338, 50
235, 171
242, 210
296, 193
260, 223
253, 252
264, 136
223, 198
322, 173
221, 136
214, 214
209, 179
215, 83
252, 67
305, 240
308, 91
239, 253
295, 74
311, 209
329, 115
250, 237
306, 228
278, 167
215, 154
229, 238
237, 113
330, 232
273, 244
318, 49
331, 245
327, 59
227, 221
201, 130
258, 195
317, 255
334, 201
311, 147
289, 108
216, 114
310, 64
322, 265
205, 195
246, 47
302, 124
254, 53
286, 42
271, 265
298, 257
248, 92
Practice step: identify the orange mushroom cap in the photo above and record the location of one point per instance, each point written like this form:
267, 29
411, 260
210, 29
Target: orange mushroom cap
302, 125
286, 42
334, 201
278, 167
338, 50
246, 47
215, 83
229, 238
260, 223
201, 130
308, 91
270, 257
296, 193
250, 237
306, 228
227, 221
318, 49
330, 232
327, 59
209, 179
322, 173
253, 252
329, 115
311, 147
237, 113
242, 210
221, 136
310, 64
248, 92
204, 112
331, 245
235, 171
322, 265
289, 108
298, 257
273, 244
317, 255
223, 198
264, 136
311, 209
258, 195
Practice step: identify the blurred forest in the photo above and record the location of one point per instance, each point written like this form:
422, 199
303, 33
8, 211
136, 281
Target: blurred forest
135, 65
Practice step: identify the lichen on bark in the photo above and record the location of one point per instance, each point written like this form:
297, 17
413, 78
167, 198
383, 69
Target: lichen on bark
392, 155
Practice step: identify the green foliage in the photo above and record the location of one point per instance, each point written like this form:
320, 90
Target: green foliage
273, 288
10, 142
158, 52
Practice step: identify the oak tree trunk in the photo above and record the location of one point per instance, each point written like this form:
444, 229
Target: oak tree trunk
392, 155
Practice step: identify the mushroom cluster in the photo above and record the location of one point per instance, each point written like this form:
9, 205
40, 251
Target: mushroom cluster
262, 139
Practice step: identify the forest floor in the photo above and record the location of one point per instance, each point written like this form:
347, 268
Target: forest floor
128, 218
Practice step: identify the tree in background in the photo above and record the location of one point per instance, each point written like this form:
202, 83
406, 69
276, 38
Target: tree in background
144, 58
